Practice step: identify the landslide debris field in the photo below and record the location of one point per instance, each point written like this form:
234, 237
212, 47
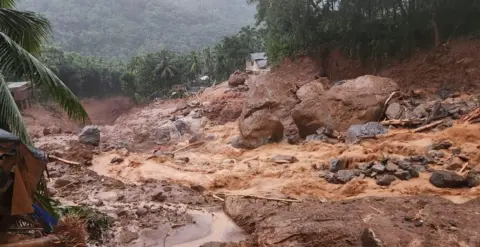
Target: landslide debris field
283, 159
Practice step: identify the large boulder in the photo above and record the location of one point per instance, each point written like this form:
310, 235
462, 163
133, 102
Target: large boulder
311, 89
236, 79
260, 128
266, 113
89, 135
355, 101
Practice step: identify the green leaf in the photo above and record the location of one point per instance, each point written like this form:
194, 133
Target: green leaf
14, 60
8, 4
27, 29
10, 117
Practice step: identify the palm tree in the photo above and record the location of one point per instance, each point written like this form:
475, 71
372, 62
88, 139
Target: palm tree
21, 35
193, 64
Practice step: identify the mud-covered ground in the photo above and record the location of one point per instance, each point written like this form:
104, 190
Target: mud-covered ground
169, 175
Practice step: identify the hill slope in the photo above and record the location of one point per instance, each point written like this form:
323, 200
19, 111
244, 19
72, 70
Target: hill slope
121, 28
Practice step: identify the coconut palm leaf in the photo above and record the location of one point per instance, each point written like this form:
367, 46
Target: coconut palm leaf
27, 29
14, 60
7, 3
10, 117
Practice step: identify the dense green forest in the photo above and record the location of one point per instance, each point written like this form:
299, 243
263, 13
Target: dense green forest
125, 28
373, 31
367, 29
152, 74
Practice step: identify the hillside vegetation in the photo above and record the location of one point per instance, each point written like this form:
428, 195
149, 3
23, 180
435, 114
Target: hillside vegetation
125, 28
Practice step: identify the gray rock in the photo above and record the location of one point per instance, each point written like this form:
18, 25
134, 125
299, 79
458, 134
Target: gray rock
378, 168
418, 168
141, 211
385, 180
284, 159
403, 175
116, 160
358, 132
448, 179
473, 179
344, 176
436, 155
162, 135
364, 166
315, 137
182, 127
126, 236
337, 165
89, 135
330, 177
159, 197
394, 111
391, 167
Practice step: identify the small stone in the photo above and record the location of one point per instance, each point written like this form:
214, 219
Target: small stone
455, 163
198, 188
159, 197
444, 145
436, 155
364, 166
141, 211
447, 179
344, 176
337, 165
403, 175
391, 167
127, 236
184, 159
120, 197
116, 160
330, 177
418, 223
418, 168
385, 180
123, 152
97, 203
455, 150
378, 168
59, 183
408, 218
284, 159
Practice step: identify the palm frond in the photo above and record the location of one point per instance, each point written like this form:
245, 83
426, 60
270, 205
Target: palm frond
8, 4
10, 117
14, 60
27, 29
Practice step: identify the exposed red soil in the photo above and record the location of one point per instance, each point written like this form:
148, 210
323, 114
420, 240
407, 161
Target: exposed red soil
100, 111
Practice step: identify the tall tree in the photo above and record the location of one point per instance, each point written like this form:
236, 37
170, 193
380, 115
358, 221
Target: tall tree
21, 36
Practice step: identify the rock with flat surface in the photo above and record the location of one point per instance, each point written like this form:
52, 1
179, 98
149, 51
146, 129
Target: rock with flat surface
385, 180
89, 135
361, 131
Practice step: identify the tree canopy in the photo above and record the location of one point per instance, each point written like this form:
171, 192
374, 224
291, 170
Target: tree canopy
126, 28
363, 28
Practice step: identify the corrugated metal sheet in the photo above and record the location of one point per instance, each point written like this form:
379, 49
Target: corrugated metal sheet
15, 85
258, 56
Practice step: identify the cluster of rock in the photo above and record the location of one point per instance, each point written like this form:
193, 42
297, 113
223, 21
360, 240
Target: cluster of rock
280, 110
385, 171
417, 108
